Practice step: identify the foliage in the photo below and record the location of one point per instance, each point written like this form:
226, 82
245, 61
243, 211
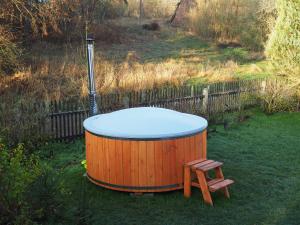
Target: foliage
9, 53
279, 96
231, 21
283, 46
47, 196
83, 163
64, 19
30, 191
22, 22
17, 173
22, 121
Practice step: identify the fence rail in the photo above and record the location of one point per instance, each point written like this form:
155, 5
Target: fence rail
66, 118
61, 120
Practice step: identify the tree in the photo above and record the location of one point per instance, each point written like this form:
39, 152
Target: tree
182, 10
283, 47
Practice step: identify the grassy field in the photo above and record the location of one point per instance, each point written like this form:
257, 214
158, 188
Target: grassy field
133, 59
261, 154
204, 61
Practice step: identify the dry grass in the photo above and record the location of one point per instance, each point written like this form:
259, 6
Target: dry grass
65, 77
56, 79
142, 60
153, 8
245, 22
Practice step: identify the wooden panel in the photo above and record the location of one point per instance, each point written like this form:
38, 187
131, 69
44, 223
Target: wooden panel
158, 154
99, 154
220, 185
119, 162
204, 144
150, 163
126, 162
166, 179
198, 146
141, 163
135, 163
187, 154
91, 162
112, 160
106, 149
193, 149
172, 154
180, 159
88, 150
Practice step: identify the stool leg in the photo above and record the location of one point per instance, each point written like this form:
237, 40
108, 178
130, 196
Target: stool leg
187, 182
204, 188
219, 174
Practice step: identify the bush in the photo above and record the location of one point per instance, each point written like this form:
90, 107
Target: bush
283, 47
46, 197
9, 53
279, 96
17, 173
30, 192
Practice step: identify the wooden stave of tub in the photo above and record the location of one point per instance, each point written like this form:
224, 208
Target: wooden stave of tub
141, 165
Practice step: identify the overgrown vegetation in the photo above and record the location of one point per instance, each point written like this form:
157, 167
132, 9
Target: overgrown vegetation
145, 62
284, 43
9, 53
30, 192
152, 8
226, 21
279, 96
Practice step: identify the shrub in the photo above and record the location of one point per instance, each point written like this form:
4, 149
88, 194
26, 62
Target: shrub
30, 192
17, 173
9, 53
283, 46
279, 96
46, 197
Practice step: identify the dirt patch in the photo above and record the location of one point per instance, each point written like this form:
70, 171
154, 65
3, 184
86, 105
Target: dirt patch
151, 26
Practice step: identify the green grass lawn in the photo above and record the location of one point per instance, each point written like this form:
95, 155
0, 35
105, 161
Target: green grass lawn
196, 54
262, 155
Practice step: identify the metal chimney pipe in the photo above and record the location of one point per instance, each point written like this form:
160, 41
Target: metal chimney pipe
92, 89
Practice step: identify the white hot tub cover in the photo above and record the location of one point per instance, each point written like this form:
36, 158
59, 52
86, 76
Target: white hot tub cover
145, 123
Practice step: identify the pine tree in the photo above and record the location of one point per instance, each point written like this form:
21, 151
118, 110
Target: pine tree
283, 47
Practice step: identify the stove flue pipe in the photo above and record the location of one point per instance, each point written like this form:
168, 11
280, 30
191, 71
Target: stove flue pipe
92, 89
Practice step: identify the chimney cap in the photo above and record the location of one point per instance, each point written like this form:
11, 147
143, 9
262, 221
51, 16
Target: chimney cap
90, 39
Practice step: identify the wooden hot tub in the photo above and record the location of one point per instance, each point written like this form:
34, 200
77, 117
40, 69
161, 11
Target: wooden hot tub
142, 149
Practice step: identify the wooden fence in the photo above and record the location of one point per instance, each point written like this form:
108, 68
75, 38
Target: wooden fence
65, 118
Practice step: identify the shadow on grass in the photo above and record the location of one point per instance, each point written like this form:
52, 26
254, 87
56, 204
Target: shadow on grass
262, 156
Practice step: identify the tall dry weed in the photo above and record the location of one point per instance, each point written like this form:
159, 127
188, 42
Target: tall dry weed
232, 21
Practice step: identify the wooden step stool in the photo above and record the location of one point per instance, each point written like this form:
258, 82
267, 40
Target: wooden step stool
200, 168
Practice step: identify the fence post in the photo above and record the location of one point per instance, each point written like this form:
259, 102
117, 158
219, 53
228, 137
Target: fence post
205, 100
126, 101
263, 86
143, 95
192, 91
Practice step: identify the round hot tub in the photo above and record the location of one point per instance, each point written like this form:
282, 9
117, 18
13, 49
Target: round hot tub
142, 149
